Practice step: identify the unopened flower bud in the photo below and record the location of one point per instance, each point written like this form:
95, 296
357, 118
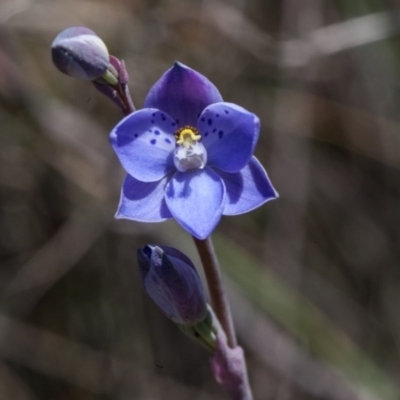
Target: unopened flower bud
171, 280
78, 52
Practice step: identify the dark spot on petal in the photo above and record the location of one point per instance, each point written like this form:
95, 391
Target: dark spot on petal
226, 112
220, 134
203, 119
173, 123
153, 141
152, 121
150, 130
156, 132
217, 115
136, 134
153, 115
206, 134
214, 130
167, 140
209, 121
163, 117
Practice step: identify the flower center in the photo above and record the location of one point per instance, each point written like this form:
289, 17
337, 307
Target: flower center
187, 135
189, 152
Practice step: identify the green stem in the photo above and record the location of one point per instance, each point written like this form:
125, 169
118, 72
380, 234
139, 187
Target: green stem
218, 296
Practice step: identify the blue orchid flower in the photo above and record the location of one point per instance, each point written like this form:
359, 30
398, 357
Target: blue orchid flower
189, 156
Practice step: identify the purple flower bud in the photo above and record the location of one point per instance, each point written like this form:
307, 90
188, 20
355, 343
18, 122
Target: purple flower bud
171, 280
79, 52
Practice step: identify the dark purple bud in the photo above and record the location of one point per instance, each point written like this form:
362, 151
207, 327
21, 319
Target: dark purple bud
78, 52
171, 280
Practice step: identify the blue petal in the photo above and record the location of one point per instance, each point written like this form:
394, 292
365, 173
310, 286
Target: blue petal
182, 93
196, 199
143, 201
144, 144
229, 133
247, 189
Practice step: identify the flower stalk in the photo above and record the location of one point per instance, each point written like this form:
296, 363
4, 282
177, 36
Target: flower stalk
215, 285
188, 156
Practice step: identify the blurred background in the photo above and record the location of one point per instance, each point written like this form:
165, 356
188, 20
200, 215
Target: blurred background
314, 278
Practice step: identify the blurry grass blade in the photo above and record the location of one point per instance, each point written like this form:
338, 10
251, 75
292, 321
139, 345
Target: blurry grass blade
304, 321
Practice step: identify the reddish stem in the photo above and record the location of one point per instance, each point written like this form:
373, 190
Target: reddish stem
218, 296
